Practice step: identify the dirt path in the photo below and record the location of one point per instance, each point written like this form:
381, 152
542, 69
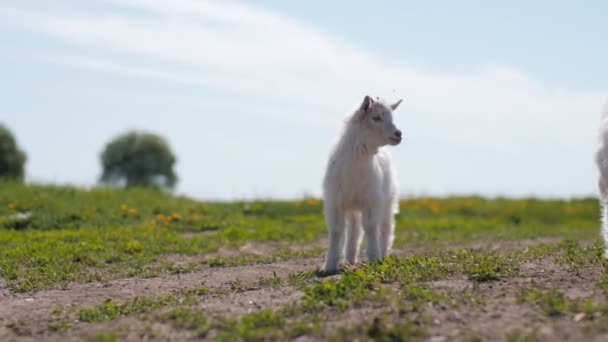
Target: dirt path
24, 317
501, 311
34, 309
497, 316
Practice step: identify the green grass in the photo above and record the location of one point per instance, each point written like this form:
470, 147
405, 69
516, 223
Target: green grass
263, 325
603, 283
517, 335
69, 234
488, 267
553, 303
381, 330
110, 310
182, 318
105, 337
59, 326
366, 283
274, 281
77, 235
421, 293
425, 221
260, 325
198, 291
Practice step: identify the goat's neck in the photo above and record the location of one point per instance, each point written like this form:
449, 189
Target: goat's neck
356, 147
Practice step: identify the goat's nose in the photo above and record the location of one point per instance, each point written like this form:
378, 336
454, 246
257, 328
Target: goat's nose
398, 133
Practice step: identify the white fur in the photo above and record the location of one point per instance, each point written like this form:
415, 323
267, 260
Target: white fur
360, 188
601, 159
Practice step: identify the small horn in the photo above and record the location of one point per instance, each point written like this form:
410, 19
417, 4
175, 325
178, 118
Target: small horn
396, 104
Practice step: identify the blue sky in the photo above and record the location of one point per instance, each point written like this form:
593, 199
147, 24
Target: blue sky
501, 98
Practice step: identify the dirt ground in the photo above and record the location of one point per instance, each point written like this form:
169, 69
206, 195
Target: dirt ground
25, 316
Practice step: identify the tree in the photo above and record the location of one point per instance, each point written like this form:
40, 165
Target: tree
12, 159
138, 159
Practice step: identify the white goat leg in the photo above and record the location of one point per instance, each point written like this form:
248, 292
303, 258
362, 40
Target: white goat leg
370, 225
353, 237
336, 226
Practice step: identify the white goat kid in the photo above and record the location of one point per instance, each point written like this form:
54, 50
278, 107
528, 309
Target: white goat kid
360, 187
601, 158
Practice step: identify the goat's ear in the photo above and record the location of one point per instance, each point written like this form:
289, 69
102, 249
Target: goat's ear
367, 103
396, 104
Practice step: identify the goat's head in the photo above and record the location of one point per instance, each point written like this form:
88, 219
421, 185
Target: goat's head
376, 119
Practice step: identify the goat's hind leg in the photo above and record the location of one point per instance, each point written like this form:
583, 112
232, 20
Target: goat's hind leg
335, 220
387, 233
371, 227
604, 207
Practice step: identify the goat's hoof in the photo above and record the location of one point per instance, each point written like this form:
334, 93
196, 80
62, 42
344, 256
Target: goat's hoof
322, 273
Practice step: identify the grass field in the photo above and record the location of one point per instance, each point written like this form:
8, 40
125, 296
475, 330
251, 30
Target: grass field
110, 265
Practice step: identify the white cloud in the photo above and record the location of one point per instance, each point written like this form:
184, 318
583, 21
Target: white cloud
249, 50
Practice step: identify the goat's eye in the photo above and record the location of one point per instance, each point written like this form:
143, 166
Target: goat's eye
377, 118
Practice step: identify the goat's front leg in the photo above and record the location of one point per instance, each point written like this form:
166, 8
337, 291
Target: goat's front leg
335, 220
353, 237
